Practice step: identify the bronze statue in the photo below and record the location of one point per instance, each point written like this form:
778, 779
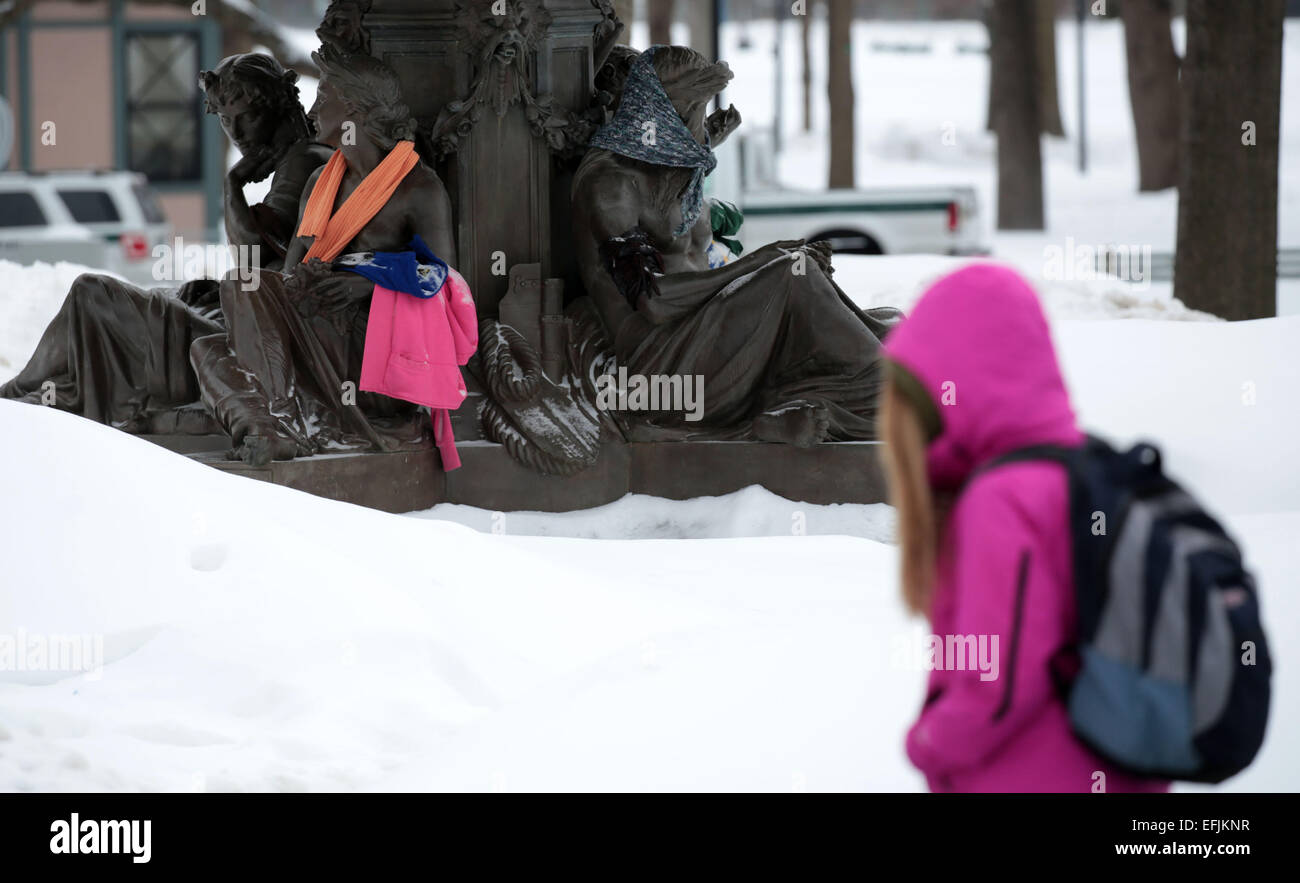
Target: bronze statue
587, 256
783, 354
282, 378
257, 103
117, 353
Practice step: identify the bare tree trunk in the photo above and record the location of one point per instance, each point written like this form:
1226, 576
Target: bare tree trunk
1153, 90
1016, 117
699, 18
987, 14
1227, 193
839, 89
805, 53
626, 12
660, 15
1049, 105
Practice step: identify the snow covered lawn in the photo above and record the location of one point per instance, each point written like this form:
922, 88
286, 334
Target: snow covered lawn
258, 638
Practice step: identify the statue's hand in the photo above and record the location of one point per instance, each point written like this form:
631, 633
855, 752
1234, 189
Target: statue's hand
722, 123
776, 249
305, 277
316, 290
821, 252
252, 166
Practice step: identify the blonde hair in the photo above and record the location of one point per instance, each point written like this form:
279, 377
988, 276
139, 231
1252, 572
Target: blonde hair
919, 516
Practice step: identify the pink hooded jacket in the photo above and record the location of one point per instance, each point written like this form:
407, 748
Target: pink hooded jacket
414, 349
979, 344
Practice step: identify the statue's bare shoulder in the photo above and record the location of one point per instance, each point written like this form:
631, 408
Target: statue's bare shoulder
609, 203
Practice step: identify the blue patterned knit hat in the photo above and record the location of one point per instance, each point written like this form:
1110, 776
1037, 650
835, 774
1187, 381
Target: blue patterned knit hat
644, 100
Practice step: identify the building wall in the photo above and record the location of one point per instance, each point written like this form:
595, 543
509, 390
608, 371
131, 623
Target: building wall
69, 107
187, 212
157, 12
66, 11
63, 63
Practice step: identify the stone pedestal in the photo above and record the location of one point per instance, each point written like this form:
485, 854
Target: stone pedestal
496, 95
846, 472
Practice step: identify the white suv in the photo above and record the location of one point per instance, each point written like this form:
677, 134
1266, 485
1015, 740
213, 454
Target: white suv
109, 220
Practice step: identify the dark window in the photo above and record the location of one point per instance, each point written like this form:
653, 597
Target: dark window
19, 209
90, 206
162, 105
153, 213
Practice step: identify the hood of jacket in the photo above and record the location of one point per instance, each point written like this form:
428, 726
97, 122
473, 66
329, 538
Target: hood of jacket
978, 345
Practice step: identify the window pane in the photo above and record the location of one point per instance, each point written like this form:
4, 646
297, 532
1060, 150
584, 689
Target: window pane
162, 68
153, 213
164, 145
20, 210
163, 106
90, 206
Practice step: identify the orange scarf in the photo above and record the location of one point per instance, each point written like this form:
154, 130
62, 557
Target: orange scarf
372, 194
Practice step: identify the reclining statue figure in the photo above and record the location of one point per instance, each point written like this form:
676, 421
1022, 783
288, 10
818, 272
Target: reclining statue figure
282, 377
119, 354
783, 354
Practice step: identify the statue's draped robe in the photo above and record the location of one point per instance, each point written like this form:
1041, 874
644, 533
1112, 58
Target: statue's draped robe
780, 337
771, 339
119, 354
286, 369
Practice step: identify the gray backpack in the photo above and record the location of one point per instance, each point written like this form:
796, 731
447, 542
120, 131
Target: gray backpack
1169, 676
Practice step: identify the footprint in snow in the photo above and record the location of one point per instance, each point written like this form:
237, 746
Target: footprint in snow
208, 557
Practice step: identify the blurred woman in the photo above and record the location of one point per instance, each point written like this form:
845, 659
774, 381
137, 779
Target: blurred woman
972, 375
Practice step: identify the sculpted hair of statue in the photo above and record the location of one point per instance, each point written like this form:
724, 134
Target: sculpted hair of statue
260, 79
689, 80
370, 90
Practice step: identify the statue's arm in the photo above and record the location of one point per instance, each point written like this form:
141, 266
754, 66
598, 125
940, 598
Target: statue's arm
681, 293
610, 208
605, 209
240, 228
299, 244
276, 215
431, 217
721, 123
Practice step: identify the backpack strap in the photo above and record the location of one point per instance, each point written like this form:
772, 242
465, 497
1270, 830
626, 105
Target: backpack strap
1065, 663
1051, 453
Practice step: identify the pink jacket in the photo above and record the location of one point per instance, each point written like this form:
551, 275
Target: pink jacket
979, 344
414, 349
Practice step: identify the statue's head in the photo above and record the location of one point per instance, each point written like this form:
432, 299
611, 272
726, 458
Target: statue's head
690, 80
506, 30
253, 96
343, 25
362, 90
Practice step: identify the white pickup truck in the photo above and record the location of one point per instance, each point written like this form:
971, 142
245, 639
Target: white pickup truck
887, 220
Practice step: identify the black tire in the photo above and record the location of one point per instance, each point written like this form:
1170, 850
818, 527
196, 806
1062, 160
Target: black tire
849, 242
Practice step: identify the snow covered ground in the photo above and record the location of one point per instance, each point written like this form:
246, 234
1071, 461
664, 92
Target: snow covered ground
253, 637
